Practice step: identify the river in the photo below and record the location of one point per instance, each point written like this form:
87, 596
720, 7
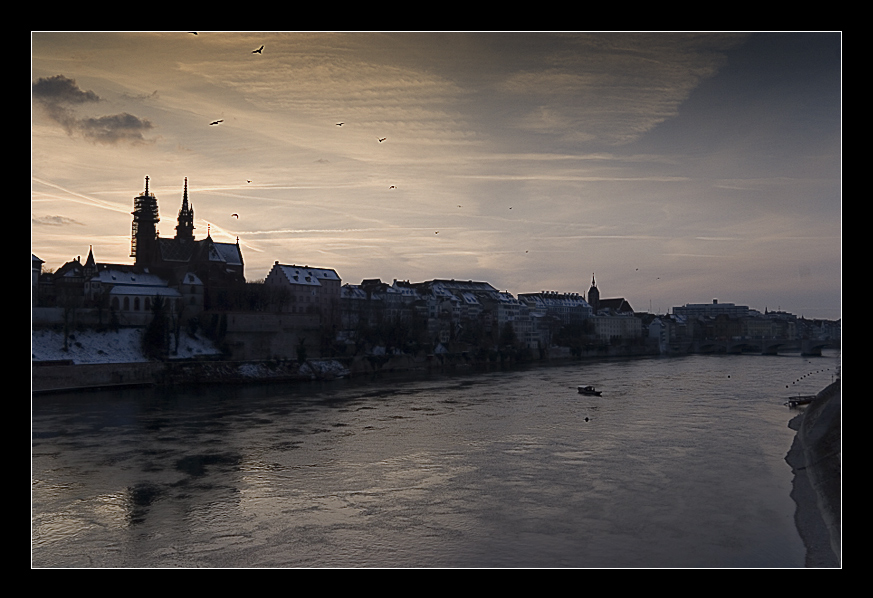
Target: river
681, 463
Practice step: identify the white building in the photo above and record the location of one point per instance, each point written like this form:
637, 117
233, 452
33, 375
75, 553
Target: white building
712, 309
310, 290
130, 295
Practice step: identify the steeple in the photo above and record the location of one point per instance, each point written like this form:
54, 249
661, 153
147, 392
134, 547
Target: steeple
185, 227
90, 264
593, 295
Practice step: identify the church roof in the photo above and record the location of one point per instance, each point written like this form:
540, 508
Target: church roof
619, 305
131, 279
228, 253
172, 250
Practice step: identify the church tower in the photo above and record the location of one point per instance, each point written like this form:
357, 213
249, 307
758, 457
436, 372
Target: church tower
185, 228
90, 269
144, 232
593, 295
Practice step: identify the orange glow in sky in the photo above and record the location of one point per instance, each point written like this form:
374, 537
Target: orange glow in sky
677, 167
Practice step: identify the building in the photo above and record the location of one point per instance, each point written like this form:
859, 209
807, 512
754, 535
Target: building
35, 271
191, 274
307, 290
131, 295
218, 266
711, 310
615, 306
567, 308
616, 327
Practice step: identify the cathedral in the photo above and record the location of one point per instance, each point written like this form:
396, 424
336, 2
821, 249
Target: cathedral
217, 265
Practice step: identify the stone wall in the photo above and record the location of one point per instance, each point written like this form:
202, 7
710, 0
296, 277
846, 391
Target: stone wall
52, 377
251, 336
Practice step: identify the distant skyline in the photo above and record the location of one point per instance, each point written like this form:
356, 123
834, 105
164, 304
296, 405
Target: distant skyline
675, 167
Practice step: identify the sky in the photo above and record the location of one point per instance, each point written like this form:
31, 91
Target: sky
673, 167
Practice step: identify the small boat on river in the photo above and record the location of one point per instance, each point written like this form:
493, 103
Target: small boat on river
800, 400
589, 390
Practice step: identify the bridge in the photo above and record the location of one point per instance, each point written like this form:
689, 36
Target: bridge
737, 345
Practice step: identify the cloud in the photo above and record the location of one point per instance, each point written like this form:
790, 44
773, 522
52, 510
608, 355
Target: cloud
613, 88
115, 128
57, 94
54, 220
61, 90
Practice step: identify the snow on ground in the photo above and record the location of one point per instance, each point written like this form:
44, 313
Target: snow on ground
121, 346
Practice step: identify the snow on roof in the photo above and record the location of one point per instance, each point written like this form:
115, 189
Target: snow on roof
191, 278
470, 299
352, 291
225, 252
119, 277
305, 275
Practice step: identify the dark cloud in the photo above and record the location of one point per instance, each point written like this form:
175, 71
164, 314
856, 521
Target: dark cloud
58, 93
61, 90
53, 220
115, 128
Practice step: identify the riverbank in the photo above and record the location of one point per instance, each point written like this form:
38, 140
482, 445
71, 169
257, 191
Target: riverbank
92, 359
816, 459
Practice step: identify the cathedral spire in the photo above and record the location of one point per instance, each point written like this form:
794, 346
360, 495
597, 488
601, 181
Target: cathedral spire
185, 227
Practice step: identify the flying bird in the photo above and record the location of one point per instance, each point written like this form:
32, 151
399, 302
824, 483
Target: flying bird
235, 216
392, 187
382, 139
248, 181
215, 122
258, 51
340, 124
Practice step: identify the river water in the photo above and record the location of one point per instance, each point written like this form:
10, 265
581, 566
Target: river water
681, 463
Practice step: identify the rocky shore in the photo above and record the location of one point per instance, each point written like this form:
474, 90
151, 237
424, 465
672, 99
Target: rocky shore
816, 459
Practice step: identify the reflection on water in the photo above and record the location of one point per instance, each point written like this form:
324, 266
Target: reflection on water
679, 464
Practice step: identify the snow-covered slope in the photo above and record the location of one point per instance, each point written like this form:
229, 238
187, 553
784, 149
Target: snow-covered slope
122, 346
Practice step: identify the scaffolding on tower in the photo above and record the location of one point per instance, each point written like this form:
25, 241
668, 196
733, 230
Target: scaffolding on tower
145, 217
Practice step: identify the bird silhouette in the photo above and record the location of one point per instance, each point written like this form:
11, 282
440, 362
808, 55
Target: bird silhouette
258, 51
248, 181
382, 139
235, 216
340, 124
392, 187
215, 122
